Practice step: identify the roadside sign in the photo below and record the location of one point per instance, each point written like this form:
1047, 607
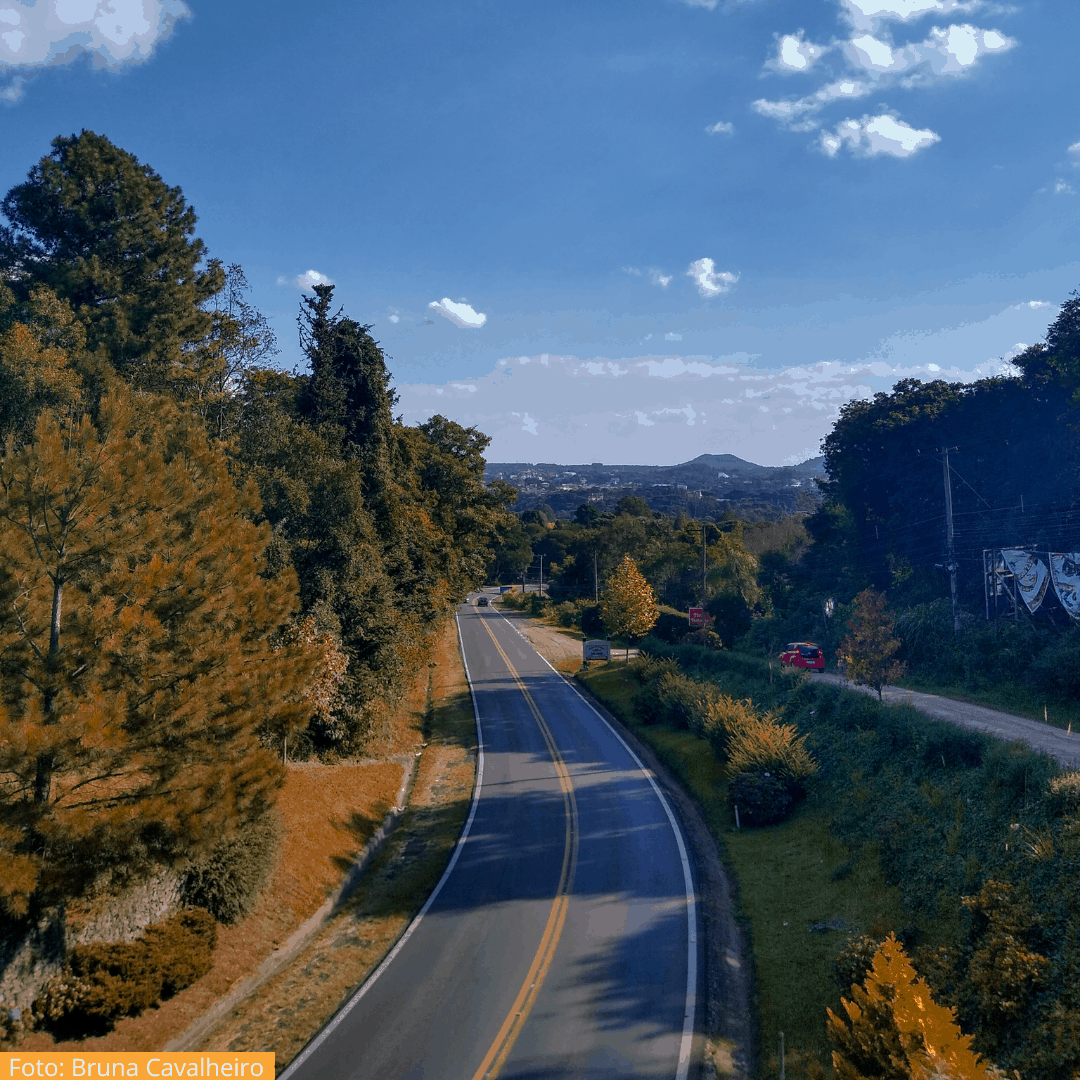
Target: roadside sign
697, 618
596, 649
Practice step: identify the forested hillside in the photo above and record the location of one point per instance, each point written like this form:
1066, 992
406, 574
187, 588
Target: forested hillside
202, 555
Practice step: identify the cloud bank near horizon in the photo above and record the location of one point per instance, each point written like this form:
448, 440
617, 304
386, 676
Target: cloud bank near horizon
663, 409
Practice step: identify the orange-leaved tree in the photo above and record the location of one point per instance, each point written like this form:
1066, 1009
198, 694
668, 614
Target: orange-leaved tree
896, 1031
140, 652
628, 605
868, 652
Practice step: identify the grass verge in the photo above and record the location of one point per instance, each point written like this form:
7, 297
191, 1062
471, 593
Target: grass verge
802, 891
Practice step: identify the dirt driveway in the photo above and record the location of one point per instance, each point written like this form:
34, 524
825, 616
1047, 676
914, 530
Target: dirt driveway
1046, 738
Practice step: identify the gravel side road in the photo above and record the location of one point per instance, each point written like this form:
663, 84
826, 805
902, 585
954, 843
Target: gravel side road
1046, 738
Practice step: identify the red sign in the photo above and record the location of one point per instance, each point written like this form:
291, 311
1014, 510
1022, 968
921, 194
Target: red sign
697, 617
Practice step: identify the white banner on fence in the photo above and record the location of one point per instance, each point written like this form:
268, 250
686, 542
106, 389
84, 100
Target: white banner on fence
1065, 571
1031, 575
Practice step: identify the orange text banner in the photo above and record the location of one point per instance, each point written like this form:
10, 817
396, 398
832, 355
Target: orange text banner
23, 1066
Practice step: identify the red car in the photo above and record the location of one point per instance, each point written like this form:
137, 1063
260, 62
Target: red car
804, 654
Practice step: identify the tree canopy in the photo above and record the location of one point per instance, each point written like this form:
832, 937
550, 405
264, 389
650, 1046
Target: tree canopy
106, 234
135, 651
627, 603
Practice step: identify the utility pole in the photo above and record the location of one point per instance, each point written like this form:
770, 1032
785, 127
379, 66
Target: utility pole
950, 549
703, 566
595, 581
541, 577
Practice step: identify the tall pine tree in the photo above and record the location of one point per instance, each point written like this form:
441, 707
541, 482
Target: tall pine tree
105, 233
137, 651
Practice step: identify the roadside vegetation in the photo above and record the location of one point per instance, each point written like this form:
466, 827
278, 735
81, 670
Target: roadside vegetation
963, 847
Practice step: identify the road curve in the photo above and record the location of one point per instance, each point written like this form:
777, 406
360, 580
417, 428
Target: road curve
562, 940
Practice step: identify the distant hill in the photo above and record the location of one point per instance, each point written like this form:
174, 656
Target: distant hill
703, 487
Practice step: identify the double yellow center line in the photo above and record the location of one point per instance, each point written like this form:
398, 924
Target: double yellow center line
511, 1027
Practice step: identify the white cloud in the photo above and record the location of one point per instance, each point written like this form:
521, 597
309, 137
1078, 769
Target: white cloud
652, 409
1064, 188
795, 54
53, 33
709, 280
527, 423
673, 337
947, 53
306, 281
1074, 153
721, 127
873, 135
395, 318
633, 271
876, 63
658, 278
789, 112
871, 14
459, 313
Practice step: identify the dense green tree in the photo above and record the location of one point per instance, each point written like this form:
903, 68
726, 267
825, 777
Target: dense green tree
1058, 358
448, 463
1014, 461
313, 499
106, 234
512, 553
586, 514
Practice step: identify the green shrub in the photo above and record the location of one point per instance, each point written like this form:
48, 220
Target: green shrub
228, 881
1055, 671
706, 639
853, 962
105, 981
760, 743
1063, 792
569, 612
670, 626
761, 798
515, 600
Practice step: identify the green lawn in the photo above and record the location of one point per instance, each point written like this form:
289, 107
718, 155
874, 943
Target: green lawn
785, 882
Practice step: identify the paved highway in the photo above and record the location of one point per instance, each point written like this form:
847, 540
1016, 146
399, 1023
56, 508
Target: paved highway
562, 941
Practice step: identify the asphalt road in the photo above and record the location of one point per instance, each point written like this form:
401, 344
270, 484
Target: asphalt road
562, 940
1046, 738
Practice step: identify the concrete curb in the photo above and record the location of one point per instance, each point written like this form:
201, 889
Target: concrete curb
281, 957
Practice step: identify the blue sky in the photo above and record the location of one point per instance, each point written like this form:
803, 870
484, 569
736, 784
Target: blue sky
621, 232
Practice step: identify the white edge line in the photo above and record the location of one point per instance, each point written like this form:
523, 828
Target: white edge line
344, 1011
688, 880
